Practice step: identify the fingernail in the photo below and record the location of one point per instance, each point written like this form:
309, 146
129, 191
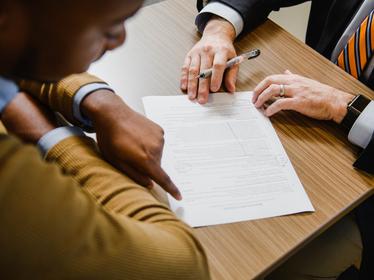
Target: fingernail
233, 88
178, 196
201, 100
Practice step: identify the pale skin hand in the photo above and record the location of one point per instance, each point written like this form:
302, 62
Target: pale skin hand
214, 49
128, 140
303, 95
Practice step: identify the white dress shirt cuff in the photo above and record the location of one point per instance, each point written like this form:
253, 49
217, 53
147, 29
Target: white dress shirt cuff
223, 11
363, 128
82, 93
52, 138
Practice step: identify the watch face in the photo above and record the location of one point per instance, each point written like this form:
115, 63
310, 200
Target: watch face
354, 110
360, 103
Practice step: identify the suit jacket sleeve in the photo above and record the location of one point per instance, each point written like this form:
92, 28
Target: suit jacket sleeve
94, 223
60, 96
253, 12
366, 159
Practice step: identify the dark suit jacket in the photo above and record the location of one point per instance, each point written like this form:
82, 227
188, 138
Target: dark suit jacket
327, 22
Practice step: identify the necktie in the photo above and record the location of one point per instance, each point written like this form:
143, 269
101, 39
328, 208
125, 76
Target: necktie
359, 49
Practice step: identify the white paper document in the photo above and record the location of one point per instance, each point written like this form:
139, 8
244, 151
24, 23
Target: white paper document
226, 159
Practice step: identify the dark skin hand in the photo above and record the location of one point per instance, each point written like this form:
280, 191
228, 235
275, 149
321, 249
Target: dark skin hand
27, 118
128, 140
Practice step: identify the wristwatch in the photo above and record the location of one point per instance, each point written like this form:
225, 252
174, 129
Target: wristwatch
354, 109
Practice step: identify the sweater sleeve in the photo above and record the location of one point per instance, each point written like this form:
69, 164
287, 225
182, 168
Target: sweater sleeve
91, 222
60, 96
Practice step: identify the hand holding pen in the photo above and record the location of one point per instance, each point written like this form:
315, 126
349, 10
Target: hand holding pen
213, 50
234, 61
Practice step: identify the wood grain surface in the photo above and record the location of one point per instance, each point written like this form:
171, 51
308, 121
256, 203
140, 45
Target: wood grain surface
149, 64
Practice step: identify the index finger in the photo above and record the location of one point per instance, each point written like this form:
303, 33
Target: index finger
160, 177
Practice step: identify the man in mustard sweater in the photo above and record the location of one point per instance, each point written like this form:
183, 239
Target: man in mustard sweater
90, 220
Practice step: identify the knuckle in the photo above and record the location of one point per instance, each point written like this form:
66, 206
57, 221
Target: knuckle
145, 157
291, 90
305, 88
224, 49
268, 80
273, 87
261, 98
219, 65
207, 48
193, 70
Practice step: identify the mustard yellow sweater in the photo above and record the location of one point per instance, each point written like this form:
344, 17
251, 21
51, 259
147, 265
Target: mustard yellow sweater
78, 217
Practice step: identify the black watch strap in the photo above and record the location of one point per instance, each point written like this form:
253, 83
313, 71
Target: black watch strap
354, 109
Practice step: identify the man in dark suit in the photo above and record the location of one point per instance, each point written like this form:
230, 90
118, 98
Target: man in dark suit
340, 30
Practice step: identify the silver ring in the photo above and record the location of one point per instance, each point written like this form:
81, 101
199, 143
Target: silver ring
282, 91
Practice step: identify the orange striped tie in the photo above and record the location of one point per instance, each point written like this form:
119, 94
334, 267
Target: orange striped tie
359, 48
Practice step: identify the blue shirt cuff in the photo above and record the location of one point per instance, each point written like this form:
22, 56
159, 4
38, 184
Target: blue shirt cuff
80, 95
363, 128
52, 138
223, 11
8, 91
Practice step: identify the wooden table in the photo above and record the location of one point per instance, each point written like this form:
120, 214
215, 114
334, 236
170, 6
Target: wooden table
149, 64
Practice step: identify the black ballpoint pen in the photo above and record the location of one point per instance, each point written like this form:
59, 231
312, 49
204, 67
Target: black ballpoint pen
236, 60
